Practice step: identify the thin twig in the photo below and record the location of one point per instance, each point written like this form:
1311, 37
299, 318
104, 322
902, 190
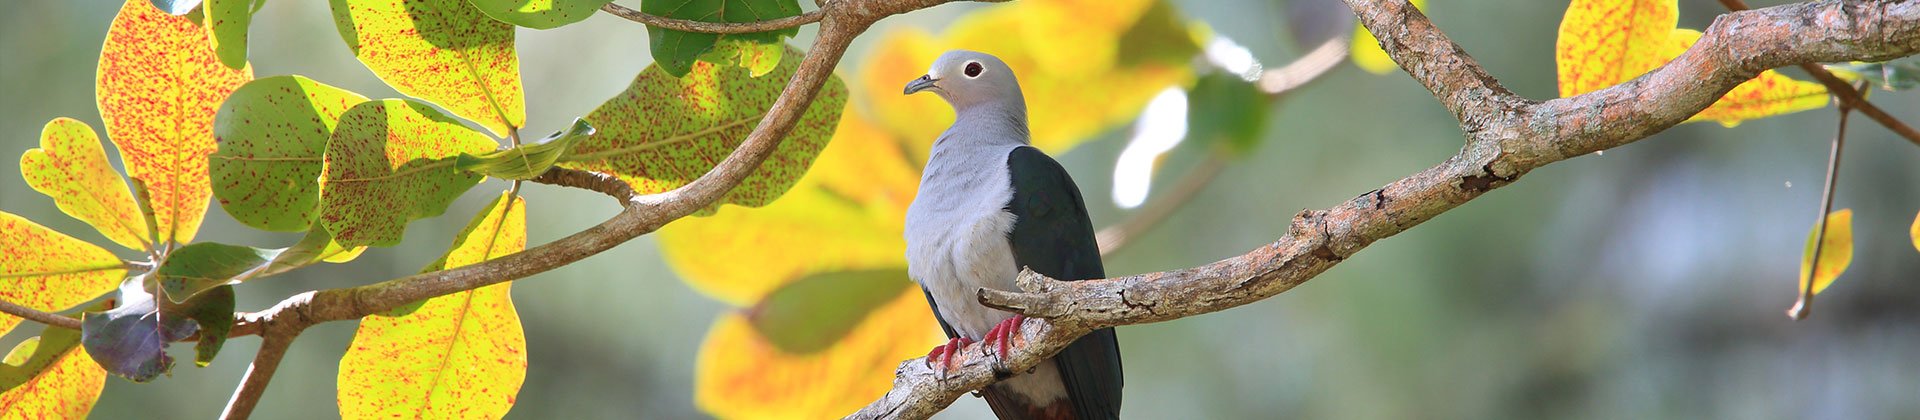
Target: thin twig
1305, 69
254, 385
1849, 96
713, 27
35, 315
1122, 234
1804, 306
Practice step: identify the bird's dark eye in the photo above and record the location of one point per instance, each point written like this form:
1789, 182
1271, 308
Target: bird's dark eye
973, 69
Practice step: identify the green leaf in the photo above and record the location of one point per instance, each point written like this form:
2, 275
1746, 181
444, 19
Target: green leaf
1894, 75
1161, 35
812, 313
273, 136
540, 14
391, 162
197, 268
1226, 112
663, 132
442, 51
213, 312
526, 161
675, 51
229, 20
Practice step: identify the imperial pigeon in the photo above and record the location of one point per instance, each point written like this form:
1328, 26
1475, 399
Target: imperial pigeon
988, 205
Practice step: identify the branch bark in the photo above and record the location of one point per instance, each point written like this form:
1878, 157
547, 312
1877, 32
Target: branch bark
1507, 136
1850, 97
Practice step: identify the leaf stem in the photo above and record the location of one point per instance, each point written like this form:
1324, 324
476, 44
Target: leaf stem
1804, 306
713, 27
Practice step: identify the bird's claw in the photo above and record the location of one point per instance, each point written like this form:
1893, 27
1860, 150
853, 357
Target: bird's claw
941, 357
1002, 334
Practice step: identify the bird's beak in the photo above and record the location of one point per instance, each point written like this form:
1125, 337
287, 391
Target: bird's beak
920, 84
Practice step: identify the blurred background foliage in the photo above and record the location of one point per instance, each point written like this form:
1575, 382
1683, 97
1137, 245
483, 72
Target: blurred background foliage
1647, 282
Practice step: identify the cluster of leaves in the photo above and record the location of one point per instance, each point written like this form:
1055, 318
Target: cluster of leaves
287, 153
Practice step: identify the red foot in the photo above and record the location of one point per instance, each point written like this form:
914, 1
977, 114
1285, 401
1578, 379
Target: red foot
1003, 333
943, 354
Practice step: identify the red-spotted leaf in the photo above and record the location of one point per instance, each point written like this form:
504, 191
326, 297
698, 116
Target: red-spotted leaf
50, 377
1605, 42
442, 51
675, 51
540, 14
390, 162
158, 86
740, 374
45, 270
663, 132
273, 136
456, 356
71, 166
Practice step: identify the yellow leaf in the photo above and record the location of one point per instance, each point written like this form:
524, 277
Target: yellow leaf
1916, 232
66, 390
847, 212
742, 375
1067, 61
159, 84
1768, 94
1366, 50
456, 356
71, 167
46, 270
1605, 42
1835, 254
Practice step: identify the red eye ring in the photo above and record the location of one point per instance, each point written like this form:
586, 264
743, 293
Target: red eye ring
974, 69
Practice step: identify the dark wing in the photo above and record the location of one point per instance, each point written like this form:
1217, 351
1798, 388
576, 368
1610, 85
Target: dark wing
935, 306
1053, 235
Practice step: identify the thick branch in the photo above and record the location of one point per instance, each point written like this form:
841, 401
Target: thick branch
1850, 97
712, 27
1507, 136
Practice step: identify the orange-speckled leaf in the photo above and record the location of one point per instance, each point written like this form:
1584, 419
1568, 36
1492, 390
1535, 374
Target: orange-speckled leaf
663, 132
456, 356
1605, 42
441, 51
71, 166
1366, 52
66, 389
1068, 100
741, 375
847, 213
46, 270
1768, 94
391, 162
1835, 255
159, 84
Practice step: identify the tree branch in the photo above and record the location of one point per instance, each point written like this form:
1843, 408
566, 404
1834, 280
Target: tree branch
1848, 95
36, 315
1507, 136
841, 21
713, 27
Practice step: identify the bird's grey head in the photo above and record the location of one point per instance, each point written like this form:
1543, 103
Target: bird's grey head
969, 80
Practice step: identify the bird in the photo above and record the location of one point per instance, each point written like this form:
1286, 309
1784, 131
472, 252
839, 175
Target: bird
989, 203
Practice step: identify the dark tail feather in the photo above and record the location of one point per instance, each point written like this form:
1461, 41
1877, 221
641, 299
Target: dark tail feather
1008, 406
